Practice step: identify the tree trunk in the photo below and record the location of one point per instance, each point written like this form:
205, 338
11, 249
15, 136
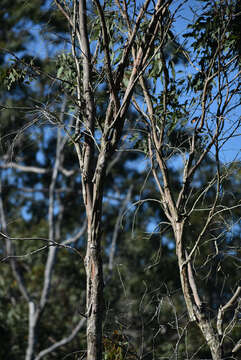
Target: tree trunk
92, 194
211, 337
94, 292
192, 299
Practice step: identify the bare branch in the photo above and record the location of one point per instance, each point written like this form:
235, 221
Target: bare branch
193, 283
225, 308
110, 78
31, 169
63, 341
76, 237
48, 241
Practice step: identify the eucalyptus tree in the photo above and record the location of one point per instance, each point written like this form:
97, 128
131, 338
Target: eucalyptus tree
205, 122
114, 56
98, 54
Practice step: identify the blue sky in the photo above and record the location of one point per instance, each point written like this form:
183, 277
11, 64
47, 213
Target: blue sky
231, 151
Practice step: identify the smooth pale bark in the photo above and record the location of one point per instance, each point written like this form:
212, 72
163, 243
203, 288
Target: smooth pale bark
93, 194
94, 299
192, 299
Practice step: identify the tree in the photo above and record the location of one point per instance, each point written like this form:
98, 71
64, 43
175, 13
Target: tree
217, 91
37, 179
93, 153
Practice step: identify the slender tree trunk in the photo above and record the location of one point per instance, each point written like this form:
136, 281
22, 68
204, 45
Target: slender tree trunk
94, 298
192, 299
93, 195
31, 332
211, 337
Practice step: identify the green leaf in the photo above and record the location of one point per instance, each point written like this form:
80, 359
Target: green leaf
60, 71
